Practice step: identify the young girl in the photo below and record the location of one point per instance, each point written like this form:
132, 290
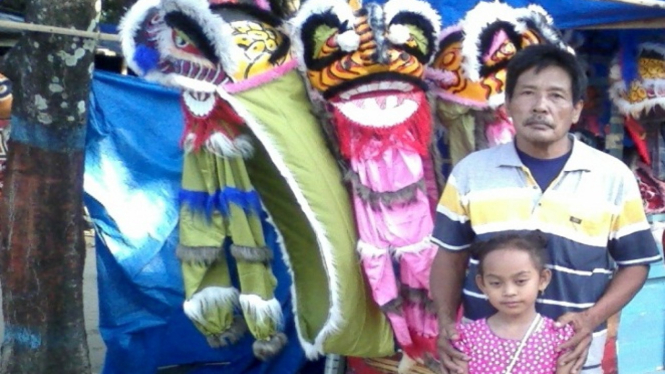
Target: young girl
515, 340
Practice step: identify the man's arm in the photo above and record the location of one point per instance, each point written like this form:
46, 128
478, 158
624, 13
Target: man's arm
625, 284
446, 280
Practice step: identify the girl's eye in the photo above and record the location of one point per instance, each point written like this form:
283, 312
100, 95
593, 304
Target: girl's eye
494, 284
521, 281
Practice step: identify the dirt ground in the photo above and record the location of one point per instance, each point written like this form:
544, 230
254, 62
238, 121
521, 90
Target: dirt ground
91, 306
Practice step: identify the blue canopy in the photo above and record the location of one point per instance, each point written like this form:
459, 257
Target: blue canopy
567, 14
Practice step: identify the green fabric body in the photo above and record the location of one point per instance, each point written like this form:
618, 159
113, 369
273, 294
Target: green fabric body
206, 172
198, 276
282, 110
461, 129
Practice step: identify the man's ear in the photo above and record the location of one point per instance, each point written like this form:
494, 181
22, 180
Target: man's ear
577, 111
480, 283
545, 278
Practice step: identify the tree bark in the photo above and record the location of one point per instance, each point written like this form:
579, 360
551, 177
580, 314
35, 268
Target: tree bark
42, 249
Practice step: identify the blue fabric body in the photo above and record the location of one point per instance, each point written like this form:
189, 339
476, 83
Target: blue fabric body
132, 183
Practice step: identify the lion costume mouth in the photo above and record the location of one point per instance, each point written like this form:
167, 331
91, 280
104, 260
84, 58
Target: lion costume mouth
379, 104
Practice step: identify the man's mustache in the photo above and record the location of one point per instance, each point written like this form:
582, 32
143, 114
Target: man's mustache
538, 121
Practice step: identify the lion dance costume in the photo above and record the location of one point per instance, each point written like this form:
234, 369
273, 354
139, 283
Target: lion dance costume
254, 154
365, 65
468, 74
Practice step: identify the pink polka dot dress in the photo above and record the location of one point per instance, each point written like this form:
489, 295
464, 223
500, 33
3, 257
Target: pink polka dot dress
491, 354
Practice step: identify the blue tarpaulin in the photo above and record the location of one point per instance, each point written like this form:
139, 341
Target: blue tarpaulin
566, 13
132, 177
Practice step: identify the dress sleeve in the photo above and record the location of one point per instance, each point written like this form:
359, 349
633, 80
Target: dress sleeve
463, 344
562, 335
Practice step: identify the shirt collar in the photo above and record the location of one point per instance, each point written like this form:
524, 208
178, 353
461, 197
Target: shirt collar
581, 157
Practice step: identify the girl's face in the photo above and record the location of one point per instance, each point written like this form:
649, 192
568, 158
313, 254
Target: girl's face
511, 281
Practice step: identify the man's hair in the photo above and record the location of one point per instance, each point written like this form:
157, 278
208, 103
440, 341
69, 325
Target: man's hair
542, 56
534, 243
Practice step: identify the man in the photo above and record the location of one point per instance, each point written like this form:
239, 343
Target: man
587, 202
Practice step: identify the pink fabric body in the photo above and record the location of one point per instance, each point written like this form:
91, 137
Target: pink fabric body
491, 354
400, 227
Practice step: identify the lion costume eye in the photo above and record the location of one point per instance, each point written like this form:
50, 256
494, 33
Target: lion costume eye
413, 26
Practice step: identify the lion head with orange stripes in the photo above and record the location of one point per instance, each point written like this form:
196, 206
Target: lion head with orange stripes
367, 59
474, 53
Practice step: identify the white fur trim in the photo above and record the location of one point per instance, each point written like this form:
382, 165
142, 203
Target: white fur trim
474, 23
262, 311
210, 297
366, 250
399, 34
129, 26
188, 142
406, 364
220, 145
348, 41
423, 8
216, 29
486, 13
335, 318
540, 10
339, 8
618, 92
423, 245
496, 100
658, 48
310, 350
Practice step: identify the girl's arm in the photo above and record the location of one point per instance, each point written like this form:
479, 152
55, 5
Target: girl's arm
461, 345
563, 335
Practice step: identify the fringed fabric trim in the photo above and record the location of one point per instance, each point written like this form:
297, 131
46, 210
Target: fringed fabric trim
394, 306
252, 254
367, 250
203, 202
230, 336
208, 298
266, 349
376, 199
202, 255
418, 297
413, 248
262, 311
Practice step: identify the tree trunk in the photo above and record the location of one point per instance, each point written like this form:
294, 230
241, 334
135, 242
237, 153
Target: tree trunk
42, 249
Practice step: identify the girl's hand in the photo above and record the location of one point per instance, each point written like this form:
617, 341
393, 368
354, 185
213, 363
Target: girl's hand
452, 360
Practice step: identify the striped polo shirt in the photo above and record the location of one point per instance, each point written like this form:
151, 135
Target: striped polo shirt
592, 213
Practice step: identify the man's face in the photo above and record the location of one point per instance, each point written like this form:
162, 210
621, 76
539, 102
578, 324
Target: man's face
542, 107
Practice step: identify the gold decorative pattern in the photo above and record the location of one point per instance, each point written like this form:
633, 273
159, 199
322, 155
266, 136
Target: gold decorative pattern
259, 42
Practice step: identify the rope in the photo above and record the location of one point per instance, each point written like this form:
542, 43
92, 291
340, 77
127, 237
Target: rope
58, 30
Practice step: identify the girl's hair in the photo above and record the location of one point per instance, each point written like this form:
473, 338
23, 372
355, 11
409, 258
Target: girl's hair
534, 243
